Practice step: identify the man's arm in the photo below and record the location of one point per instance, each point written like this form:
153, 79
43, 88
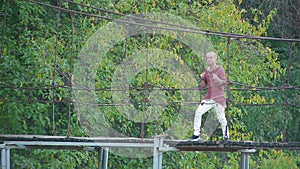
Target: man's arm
203, 82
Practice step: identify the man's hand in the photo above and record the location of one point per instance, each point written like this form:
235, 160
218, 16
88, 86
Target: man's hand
217, 79
202, 75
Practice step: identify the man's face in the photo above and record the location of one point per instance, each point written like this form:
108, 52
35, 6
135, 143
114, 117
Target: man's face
211, 59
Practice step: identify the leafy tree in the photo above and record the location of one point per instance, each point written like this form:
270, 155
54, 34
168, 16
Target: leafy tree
41, 47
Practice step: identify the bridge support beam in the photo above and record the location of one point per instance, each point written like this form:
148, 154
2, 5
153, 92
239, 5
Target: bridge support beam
157, 153
103, 158
5, 157
245, 154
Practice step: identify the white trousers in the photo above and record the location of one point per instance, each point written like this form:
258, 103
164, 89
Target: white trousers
204, 107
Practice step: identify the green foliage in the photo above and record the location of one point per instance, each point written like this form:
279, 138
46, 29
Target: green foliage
41, 49
277, 159
53, 159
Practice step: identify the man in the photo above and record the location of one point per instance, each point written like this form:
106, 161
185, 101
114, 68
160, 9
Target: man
214, 79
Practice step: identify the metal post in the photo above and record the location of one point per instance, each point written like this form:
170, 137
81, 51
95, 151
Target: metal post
245, 154
100, 158
245, 161
3, 161
103, 158
5, 158
8, 158
157, 154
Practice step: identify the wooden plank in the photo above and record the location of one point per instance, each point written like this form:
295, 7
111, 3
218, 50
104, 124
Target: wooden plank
234, 145
181, 145
73, 139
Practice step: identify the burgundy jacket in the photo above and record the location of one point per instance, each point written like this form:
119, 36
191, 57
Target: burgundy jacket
215, 89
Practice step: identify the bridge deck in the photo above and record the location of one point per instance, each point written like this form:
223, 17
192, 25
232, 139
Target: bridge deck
63, 142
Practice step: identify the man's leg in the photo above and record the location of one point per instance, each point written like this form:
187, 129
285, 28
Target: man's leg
222, 119
203, 107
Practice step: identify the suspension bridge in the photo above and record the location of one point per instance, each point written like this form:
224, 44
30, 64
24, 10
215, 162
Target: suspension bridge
159, 144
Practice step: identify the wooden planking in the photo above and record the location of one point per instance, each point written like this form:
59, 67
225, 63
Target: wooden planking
181, 145
73, 139
234, 145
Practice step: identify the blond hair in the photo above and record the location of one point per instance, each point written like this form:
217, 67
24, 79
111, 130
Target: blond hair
214, 54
